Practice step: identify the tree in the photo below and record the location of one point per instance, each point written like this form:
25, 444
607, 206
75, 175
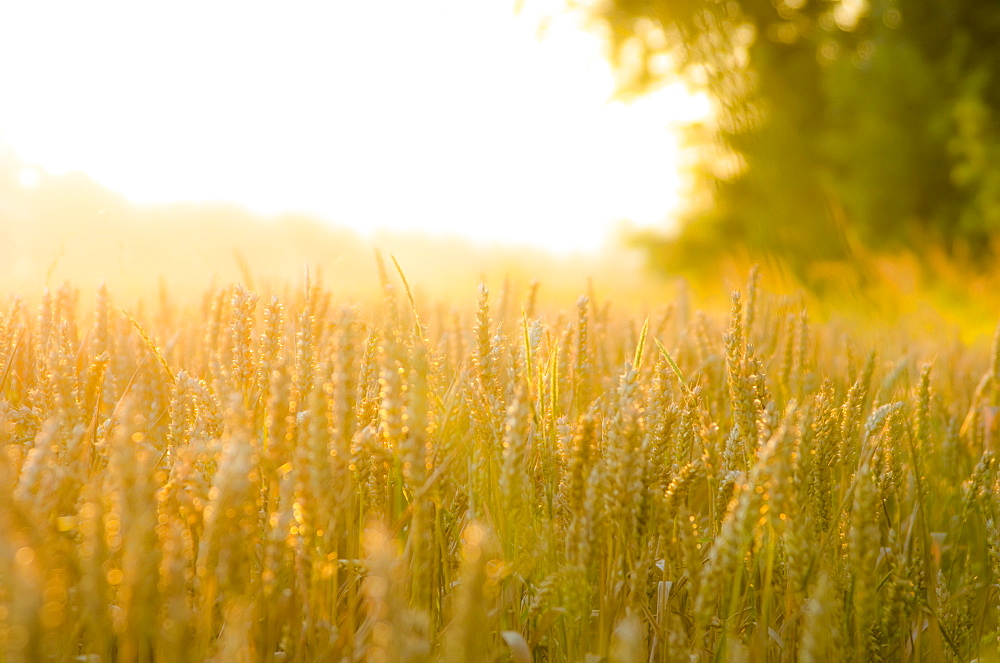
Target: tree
844, 123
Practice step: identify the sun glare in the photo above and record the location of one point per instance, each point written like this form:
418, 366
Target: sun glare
29, 177
448, 116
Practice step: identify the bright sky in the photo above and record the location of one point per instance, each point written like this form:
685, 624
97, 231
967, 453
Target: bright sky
450, 116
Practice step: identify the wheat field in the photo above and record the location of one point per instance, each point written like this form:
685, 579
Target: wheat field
291, 476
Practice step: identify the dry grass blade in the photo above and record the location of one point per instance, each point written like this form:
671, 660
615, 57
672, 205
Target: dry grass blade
149, 344
641, 345
673, 366
406, 284
519, 650
10, 358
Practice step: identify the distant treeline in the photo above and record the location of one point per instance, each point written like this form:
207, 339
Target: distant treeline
842, 127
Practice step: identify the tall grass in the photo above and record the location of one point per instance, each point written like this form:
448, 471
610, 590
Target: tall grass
293, 477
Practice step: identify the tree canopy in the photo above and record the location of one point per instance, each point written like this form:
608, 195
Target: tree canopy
845, 125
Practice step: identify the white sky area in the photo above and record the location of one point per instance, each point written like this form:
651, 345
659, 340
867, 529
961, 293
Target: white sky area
449, 116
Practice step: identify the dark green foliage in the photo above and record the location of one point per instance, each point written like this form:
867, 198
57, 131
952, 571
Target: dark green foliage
874, 129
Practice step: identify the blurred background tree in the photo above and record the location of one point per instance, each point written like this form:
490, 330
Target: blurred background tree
842, 127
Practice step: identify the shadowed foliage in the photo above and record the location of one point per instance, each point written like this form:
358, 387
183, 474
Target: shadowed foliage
842, 126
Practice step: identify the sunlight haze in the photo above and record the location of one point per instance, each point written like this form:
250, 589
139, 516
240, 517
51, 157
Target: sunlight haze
449, 117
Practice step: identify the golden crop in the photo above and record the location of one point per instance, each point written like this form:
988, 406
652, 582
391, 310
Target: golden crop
292, 477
